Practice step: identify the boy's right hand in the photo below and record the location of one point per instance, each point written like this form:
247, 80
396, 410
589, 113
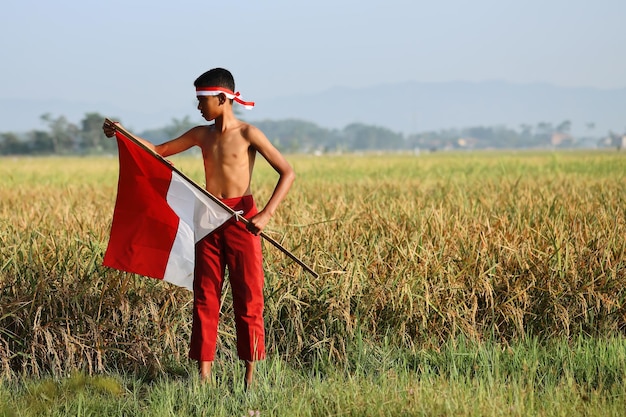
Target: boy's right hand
109, 128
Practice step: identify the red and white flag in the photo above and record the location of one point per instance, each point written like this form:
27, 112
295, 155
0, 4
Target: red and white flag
159, 216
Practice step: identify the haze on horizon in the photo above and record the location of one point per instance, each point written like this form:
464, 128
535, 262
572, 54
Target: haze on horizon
145, 55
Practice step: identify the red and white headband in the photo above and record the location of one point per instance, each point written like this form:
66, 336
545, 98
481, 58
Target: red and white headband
215, 91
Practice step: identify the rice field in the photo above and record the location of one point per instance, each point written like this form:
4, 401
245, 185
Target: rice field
414, 252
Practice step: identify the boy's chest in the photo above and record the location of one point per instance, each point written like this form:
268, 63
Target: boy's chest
225, 148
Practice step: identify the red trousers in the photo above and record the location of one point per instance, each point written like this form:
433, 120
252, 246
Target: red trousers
232, 246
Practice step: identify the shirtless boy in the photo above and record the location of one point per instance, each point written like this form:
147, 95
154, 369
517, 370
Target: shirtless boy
229, 147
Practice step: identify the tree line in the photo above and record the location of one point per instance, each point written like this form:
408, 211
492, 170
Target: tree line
62, 137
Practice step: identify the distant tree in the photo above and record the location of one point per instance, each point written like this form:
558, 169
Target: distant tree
486, 134
543, 134
360, 136
293, 135
434, 140
526, 131
545, 128
564, 127
91, 137
41, 142
10, 144
178, 127
64, 135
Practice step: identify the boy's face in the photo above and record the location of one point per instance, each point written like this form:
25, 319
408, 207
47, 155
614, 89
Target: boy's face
210, 106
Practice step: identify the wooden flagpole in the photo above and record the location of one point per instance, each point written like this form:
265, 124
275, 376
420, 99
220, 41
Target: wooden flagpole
211, 196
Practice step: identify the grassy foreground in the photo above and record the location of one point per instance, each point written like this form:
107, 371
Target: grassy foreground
579, 378
450, 284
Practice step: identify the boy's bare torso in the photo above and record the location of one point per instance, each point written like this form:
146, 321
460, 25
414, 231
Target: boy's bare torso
229, 149
228, 160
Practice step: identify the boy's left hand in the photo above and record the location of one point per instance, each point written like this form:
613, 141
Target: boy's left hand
257, 223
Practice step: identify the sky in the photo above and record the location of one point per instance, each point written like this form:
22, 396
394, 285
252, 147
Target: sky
146, 54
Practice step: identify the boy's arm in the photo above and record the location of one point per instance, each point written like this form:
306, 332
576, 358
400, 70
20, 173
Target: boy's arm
174, 146
286, 177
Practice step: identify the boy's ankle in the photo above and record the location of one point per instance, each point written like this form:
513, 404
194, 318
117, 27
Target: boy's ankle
204, 368
248, 384
249, 375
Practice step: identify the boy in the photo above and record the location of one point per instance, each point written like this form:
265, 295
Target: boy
229, 148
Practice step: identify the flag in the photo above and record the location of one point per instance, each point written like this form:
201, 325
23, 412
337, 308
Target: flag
159, 216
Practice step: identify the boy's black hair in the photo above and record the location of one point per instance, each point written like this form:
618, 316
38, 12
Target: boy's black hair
216, 77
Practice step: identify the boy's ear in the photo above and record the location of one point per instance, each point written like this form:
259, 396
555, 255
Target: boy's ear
222, 98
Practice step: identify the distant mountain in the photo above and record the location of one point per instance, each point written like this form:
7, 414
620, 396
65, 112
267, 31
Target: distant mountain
404, 107
418, 107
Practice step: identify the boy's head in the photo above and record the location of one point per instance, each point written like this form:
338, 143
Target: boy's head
216, 77
219, 81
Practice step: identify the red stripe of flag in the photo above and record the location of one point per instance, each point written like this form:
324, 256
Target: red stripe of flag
144, 226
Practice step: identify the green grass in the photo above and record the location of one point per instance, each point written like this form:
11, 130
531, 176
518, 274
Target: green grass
584, 377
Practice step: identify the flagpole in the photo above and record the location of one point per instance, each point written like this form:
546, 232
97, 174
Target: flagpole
203, 190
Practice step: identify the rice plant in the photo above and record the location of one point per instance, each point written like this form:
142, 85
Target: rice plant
412, 251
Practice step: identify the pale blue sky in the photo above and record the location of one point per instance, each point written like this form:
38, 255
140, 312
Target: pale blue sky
148, 53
